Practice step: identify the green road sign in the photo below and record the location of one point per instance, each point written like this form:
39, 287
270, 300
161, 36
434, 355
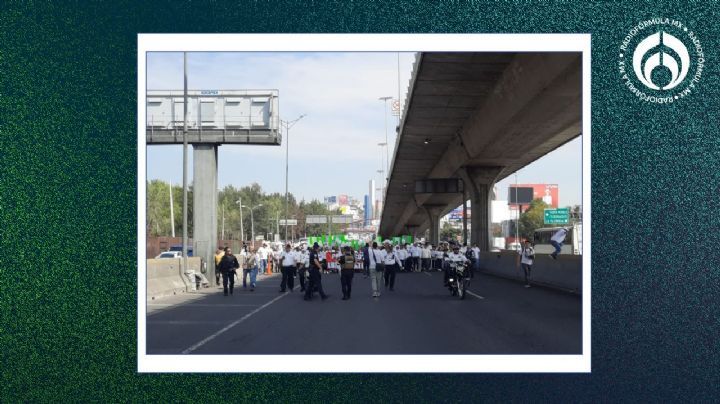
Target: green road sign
557, 216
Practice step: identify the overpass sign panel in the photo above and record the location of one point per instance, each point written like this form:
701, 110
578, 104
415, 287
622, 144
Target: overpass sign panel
557, 216
316, 219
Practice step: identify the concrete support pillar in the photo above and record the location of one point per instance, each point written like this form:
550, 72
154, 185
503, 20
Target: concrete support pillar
433, 213
479, 182
205, 170
413, 231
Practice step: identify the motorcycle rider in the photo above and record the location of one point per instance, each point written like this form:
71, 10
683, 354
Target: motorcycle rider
453, 259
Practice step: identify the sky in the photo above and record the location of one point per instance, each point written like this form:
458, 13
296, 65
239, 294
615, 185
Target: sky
334, 149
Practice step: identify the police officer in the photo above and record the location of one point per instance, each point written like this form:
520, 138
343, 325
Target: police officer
288, 261
347, 270
315, 276
456, 258
392, 263
305, 257
228, 265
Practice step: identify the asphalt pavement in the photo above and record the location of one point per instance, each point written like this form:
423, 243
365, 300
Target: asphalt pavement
499, 316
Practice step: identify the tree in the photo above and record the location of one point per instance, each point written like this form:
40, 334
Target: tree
533, 218
450, 232
158, 209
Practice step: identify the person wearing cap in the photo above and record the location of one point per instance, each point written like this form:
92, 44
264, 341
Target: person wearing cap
557, 240
454, 257
347, 270
228, 265
315, 276
288, 261
392, 263
302, 273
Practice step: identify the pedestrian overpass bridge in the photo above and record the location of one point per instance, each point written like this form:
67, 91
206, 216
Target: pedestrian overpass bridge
478, 117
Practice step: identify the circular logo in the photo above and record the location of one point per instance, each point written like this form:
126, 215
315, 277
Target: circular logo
661, 61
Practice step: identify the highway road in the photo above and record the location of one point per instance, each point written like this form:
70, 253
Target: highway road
420, 317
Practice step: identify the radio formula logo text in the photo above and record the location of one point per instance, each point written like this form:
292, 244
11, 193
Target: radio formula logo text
661, 61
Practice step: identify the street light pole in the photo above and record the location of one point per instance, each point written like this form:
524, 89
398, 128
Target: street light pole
242, 231
185, 163
288, 125
387, 151
252, 227
252, 221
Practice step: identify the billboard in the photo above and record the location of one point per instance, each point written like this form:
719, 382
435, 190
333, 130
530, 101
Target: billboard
456, 214
520, 195
548, 193
330, 199
342, 200
214, 116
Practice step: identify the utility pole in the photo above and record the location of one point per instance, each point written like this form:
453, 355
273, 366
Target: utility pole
288, 125
185, 163
387, 145
242, 231
172, 214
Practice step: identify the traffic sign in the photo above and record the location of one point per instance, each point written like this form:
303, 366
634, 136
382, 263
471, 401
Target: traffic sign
315, 219
288, 222
347, 219
557, 216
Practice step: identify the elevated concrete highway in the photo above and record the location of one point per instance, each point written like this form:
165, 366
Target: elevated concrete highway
479, 117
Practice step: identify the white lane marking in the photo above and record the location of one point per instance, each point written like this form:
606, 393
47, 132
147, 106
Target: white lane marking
473, 294
231, 325
427, 273
200, 305
184, 322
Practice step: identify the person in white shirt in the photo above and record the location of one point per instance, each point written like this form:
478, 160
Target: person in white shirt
358, 259
276, 257
526, 256
262, 253
557, 240
377, 256
402, 254
302, 274
288, 262
250, 264
392, 263
476, 256
425, 254
436, 258
415, 255
453, 258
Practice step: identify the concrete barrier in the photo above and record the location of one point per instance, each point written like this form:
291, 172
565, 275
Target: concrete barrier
166, 276
565, 273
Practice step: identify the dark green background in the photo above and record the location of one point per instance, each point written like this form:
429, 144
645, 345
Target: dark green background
68, 200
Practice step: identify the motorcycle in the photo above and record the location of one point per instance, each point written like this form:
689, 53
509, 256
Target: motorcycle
459, 279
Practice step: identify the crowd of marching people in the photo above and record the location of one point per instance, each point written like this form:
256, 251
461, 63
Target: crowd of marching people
378, 261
